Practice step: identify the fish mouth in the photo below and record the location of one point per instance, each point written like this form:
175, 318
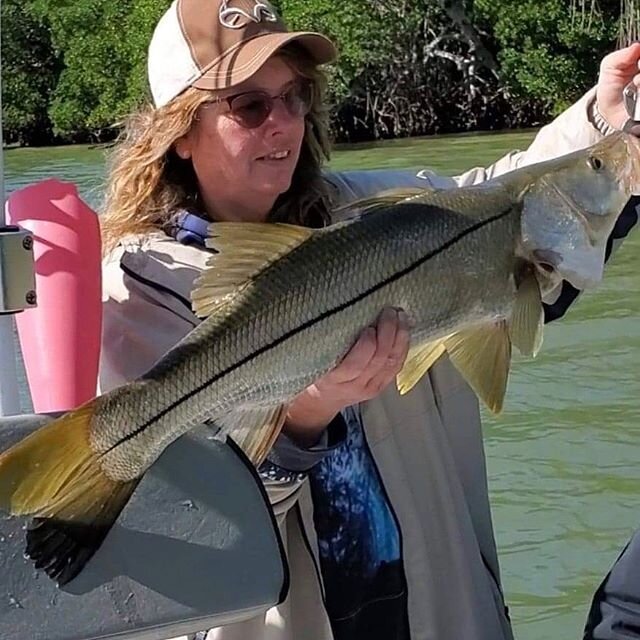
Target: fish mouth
546, 260
583, 267
546, 264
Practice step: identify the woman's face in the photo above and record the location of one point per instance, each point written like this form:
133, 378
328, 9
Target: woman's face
241, 171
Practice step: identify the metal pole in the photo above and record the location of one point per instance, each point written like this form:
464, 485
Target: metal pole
9, 395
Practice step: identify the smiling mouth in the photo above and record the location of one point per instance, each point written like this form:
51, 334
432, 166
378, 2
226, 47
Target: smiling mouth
276, 155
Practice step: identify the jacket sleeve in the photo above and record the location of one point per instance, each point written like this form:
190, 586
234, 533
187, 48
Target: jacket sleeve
615, 608
570, 131
146, 311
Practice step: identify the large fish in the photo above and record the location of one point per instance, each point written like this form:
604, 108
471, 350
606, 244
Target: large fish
283, 304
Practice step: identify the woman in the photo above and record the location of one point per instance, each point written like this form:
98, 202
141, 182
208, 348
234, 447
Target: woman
381, 500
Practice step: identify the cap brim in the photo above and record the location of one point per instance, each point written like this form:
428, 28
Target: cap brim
241, 63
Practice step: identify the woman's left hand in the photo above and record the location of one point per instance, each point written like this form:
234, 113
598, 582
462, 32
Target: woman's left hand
617, 70
370, 365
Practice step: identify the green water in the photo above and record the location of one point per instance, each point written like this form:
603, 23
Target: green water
563, 457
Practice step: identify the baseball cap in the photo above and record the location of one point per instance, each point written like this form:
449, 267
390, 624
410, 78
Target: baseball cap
217, 44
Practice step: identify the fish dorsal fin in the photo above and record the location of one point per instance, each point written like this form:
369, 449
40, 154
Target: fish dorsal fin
419, 360
478, 201
254, 430
527, 320
244, 249
387, 198
483, 355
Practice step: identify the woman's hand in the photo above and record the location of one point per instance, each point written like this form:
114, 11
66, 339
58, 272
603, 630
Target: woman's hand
369, 366
617, 70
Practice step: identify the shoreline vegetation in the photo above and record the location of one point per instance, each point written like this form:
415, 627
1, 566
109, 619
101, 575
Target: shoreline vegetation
406, 69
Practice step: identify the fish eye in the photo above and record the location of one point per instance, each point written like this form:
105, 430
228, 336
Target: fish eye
595, 163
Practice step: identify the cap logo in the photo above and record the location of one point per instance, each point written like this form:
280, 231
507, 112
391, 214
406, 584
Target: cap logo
236, 18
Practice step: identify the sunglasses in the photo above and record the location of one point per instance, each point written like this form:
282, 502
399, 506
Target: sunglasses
252, 108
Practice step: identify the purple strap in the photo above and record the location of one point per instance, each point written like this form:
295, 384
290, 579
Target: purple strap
189, 229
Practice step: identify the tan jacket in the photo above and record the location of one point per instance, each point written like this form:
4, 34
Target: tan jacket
427, 445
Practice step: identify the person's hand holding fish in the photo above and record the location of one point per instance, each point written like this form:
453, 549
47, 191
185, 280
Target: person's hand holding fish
619, 71
366, 370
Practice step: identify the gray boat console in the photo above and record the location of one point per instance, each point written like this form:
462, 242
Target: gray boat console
195, 548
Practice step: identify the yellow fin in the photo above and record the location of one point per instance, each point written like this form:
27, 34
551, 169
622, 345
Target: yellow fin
255, 430
34, 471
483, 355
54, 474
244, 250
527, 321
419, 360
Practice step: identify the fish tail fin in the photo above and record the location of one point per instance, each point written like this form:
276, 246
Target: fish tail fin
55, 475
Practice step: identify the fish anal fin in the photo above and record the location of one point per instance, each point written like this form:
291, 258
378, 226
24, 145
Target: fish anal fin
483, 355
419, 360
244, 249
55, 474
254, 430
527, 320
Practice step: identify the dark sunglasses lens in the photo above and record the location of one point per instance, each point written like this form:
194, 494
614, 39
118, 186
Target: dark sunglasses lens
251, 109
298, 99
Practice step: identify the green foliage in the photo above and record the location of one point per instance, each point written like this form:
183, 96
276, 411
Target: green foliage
104, 46
30, 69
549, 50
75, 68
363, 37
380, 83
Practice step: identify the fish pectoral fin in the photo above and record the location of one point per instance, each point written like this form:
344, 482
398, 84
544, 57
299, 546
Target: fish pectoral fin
527, 320
254, 430
483, 356
244, 249
55, 475
419, 360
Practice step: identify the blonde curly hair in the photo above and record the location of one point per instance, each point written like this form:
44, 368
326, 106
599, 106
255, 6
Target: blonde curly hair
148, 182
